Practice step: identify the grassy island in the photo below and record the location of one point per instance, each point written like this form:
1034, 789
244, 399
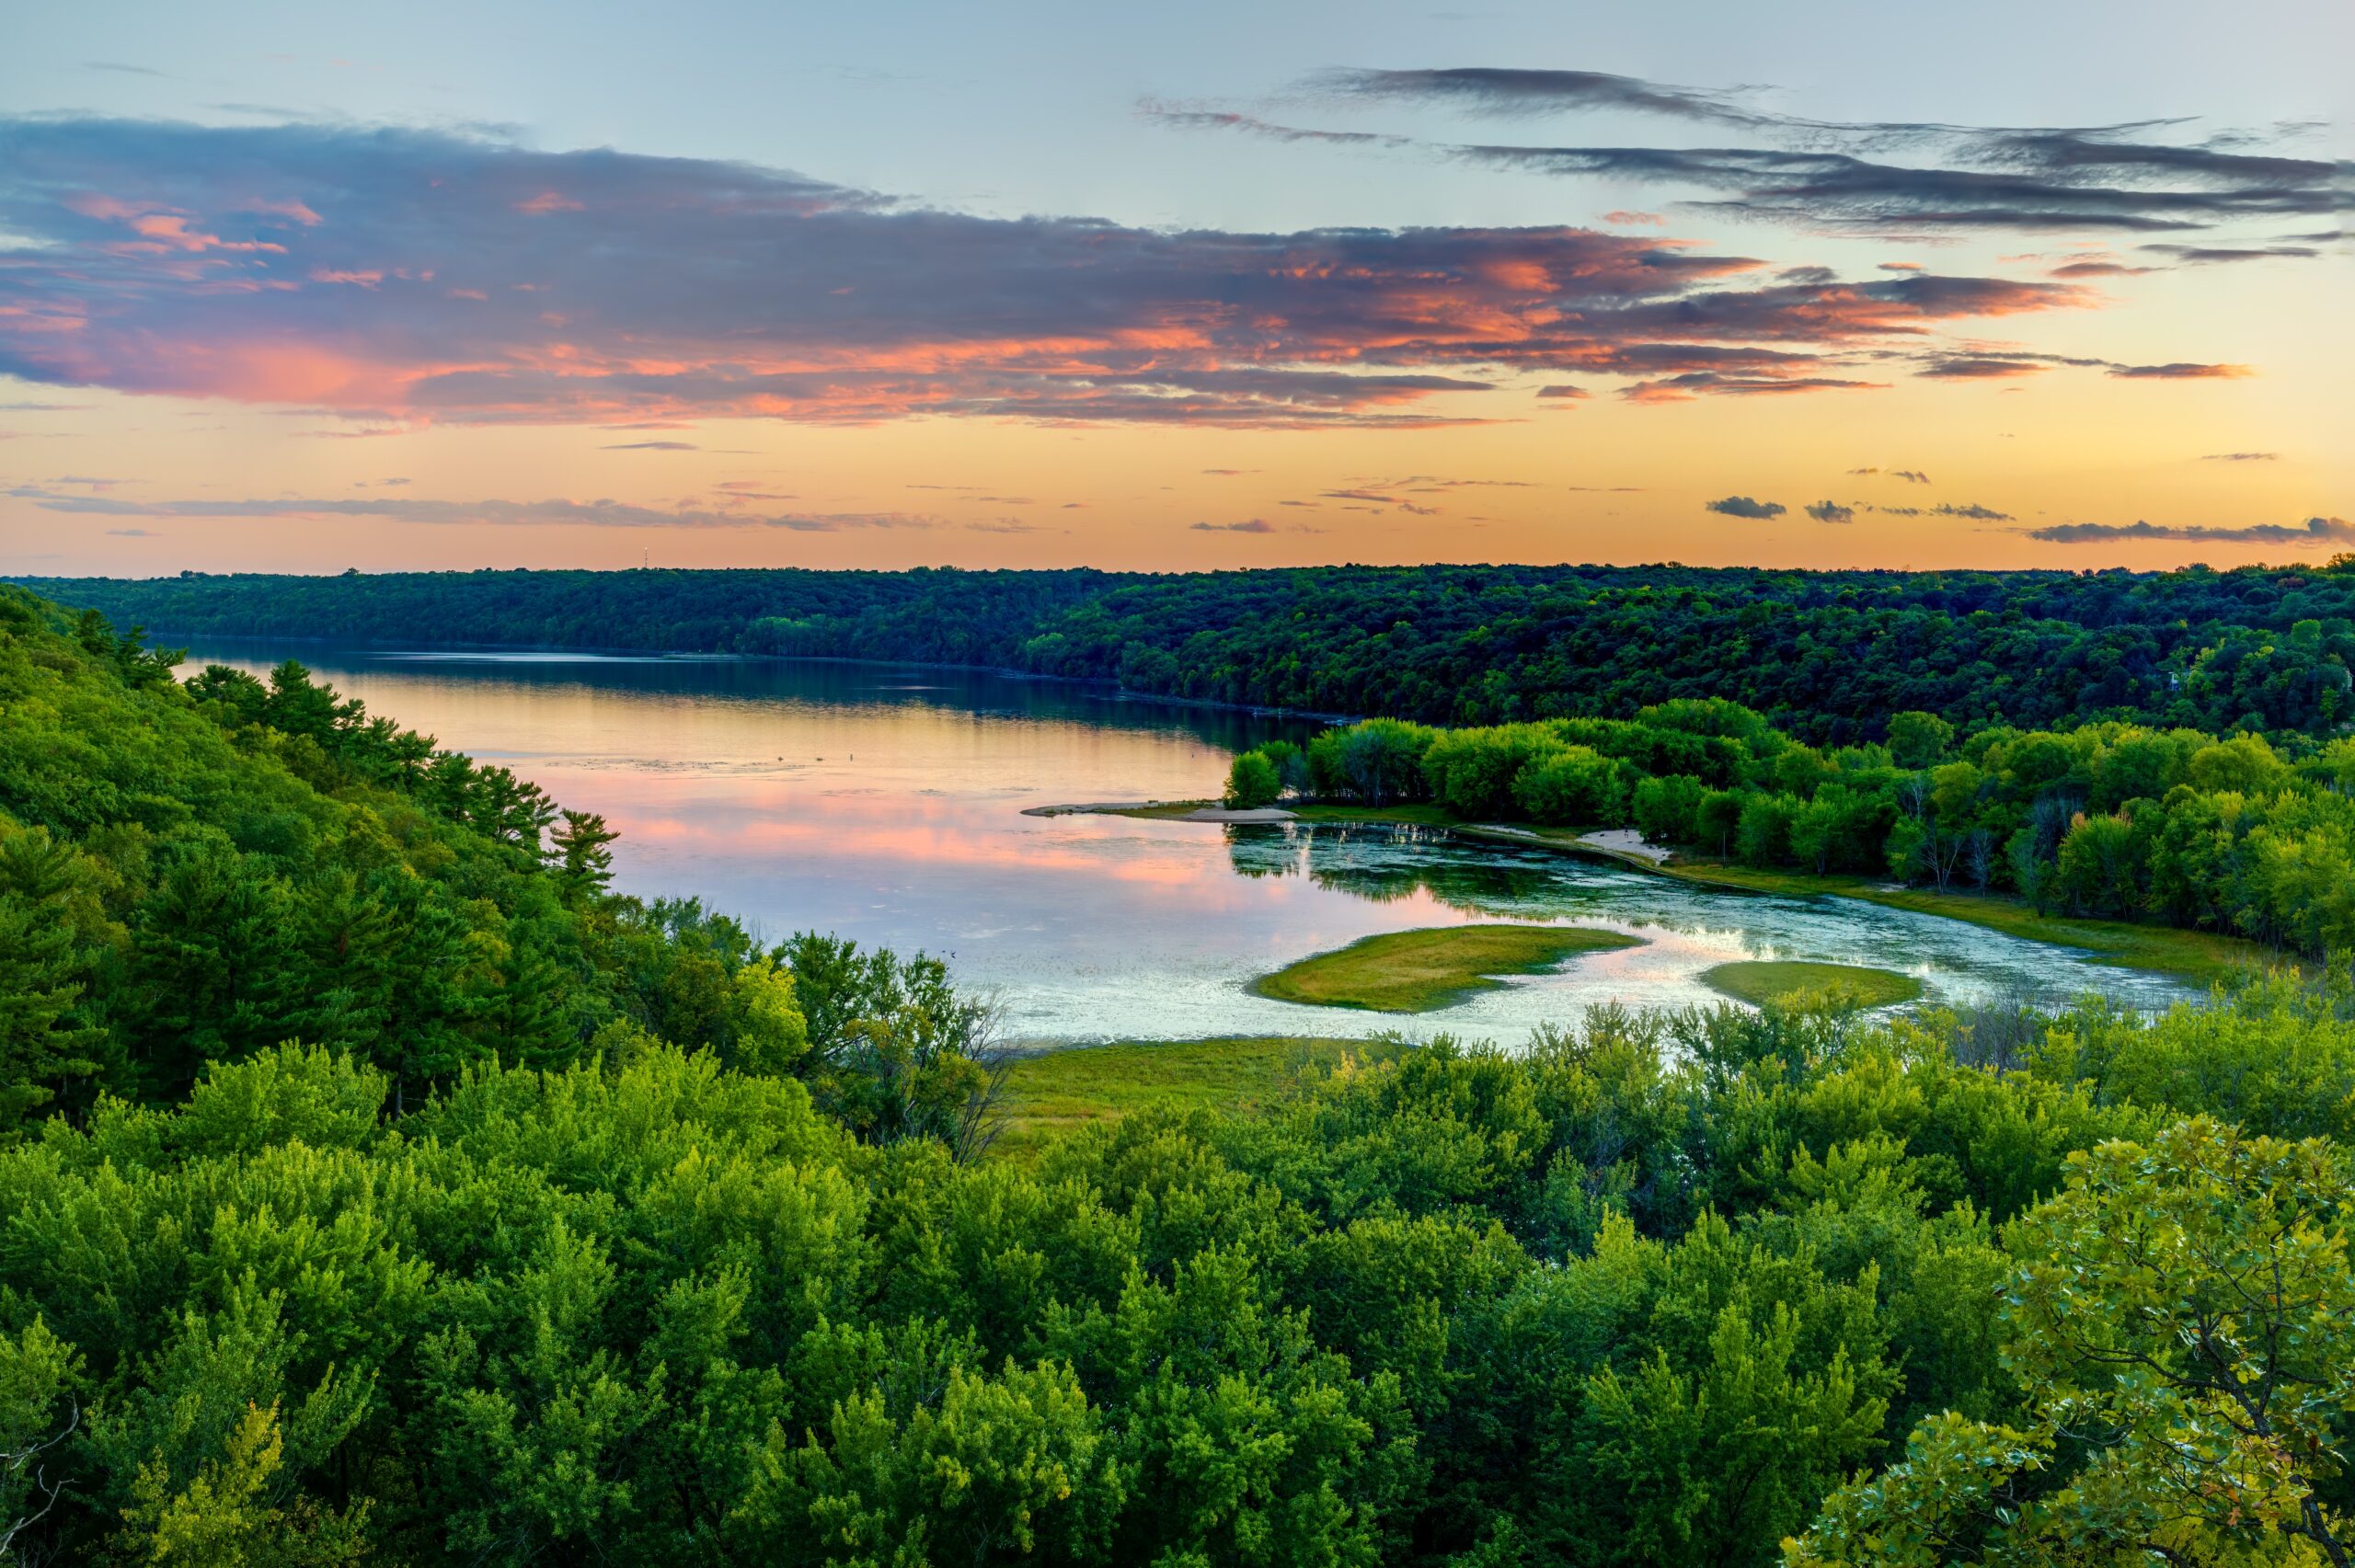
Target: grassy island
1416, 971
1759, 982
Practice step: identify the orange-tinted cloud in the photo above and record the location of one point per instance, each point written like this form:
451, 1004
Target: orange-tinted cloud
2181, 371
401, 274
1967, 368
600, 513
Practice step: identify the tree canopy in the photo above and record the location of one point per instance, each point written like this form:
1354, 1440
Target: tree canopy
378, 1186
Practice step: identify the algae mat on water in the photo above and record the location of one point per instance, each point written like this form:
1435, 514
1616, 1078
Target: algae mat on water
1762, 982
1416, 971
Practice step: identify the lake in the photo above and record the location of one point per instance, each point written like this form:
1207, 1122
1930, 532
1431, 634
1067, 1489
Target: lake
885, 803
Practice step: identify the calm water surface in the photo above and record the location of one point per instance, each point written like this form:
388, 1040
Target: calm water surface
885, 804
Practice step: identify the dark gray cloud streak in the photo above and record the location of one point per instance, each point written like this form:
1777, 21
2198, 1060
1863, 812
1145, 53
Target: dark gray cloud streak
1492, 90
2313, 531
1839, 174
2012, 365
2208, 255
1742, 506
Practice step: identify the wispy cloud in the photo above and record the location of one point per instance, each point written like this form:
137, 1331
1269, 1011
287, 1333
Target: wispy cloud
2313, 531
1491, 90
2119, 178
2180, 372
1742, 506
1831, 511
1248, 525
2209, 255
1967, 368
2098, 270
2013, 364
2242, 457
506, 284
502, 513
1695, 383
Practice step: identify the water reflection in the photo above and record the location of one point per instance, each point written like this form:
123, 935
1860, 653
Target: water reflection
885, 803
1367, 861
850, 688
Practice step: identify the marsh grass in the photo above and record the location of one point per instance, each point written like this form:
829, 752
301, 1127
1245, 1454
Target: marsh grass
1416, 971
1761, 981
1057, 1091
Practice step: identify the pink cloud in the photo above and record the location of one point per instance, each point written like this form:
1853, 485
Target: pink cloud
426, 278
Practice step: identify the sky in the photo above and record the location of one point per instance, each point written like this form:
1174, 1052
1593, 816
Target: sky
302, 288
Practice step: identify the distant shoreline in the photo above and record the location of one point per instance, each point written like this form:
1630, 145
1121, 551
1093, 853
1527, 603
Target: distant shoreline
426, 644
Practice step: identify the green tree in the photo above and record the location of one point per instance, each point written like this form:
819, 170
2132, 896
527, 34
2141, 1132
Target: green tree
2185, 1315
47, 1040
1764, 837
1573, 783
989, 1469
584, 864
893, 1049
1668, 811
1252, 782
39, 1415
1918, 740
237, 1511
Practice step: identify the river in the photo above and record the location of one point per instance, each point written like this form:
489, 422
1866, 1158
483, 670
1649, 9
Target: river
885, 803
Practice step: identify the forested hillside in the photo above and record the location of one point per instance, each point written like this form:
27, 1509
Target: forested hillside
378, 1187
198, 871
1826, 655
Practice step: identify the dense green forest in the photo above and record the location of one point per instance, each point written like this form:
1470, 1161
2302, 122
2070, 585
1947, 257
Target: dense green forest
378, 1186
1825, 656
2211, 833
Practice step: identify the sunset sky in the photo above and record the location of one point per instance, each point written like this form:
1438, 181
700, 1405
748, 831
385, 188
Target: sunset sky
299, 287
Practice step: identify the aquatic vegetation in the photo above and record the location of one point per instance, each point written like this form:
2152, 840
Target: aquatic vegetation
1416, 971
1761, 981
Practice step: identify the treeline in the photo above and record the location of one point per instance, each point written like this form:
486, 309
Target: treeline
2219, 833
689, 1261
1825, 656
